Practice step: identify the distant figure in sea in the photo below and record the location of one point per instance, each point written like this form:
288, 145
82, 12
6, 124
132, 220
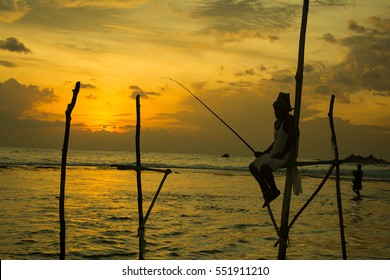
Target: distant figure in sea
357, 180
276, 155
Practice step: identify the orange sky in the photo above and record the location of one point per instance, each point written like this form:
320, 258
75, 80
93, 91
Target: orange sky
235, 55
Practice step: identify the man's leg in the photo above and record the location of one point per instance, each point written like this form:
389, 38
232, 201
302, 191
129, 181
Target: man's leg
262, 183
266, 172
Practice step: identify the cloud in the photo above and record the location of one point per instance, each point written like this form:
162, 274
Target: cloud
13, 10
366, 66
14, 45
100, 3
247, 72
378, 26
353, 26
283, 77
328, 37
87, 86
135, 90
16, 98
7, 64
230, 20
315, 135
237, 20
333, 3
249, 114
91, 97
85, 15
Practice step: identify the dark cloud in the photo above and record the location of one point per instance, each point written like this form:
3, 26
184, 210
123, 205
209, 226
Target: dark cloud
14, 45
308, 68
377, 26
247, 72
87, 86
16, 98
231, 20
328, 37
12, 10
283, 77
86, 16
333, 3
135, 90
241, 84
353, 26
273, 38
366, 66
7, 64
91, 97
99, 4
312, 144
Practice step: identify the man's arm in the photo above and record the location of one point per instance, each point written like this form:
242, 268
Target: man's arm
266, 151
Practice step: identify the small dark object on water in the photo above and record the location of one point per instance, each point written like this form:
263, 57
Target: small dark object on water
225, 155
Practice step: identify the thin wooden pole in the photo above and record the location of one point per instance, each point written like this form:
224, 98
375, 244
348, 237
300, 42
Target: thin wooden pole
68, 116
312, 196
339, 203
284, 229
141, 229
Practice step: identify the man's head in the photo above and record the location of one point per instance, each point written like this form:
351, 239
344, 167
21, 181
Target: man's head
283, 102
282, 105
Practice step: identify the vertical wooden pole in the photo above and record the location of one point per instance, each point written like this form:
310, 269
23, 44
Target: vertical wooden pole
336, 155
141, 229
284, 228
68, 113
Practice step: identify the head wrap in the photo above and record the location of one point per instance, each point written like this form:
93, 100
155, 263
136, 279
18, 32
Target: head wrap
283, 102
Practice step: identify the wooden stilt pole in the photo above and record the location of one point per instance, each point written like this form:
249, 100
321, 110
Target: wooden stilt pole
284, 229
68, 116
141, 229
336, 154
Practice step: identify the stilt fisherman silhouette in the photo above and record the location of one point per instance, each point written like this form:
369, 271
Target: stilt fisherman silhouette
277, 154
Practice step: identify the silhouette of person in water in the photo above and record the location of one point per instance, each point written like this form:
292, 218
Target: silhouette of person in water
276, 155
357, 180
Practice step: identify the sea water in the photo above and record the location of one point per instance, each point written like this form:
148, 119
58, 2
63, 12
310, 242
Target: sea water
209, 208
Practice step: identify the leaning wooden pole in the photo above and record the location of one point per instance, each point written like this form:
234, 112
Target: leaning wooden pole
141, 228
284, 228
338, 191
68, 113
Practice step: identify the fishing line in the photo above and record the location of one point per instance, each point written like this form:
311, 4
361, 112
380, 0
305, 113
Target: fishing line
214, 115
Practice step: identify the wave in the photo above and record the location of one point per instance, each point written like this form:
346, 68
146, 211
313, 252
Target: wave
43, 159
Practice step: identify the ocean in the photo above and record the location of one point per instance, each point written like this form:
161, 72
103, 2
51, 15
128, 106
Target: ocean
209, 209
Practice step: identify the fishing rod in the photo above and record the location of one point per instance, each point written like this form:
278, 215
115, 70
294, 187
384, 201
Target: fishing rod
214, 115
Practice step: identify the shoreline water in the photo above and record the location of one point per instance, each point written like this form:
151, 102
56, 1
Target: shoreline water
51, 158
200, 214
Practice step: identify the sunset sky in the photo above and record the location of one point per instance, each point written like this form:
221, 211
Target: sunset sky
234, 55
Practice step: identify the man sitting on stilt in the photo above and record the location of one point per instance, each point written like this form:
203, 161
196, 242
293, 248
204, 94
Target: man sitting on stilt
277, 153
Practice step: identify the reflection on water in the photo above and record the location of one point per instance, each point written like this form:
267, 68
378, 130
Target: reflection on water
199, 215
